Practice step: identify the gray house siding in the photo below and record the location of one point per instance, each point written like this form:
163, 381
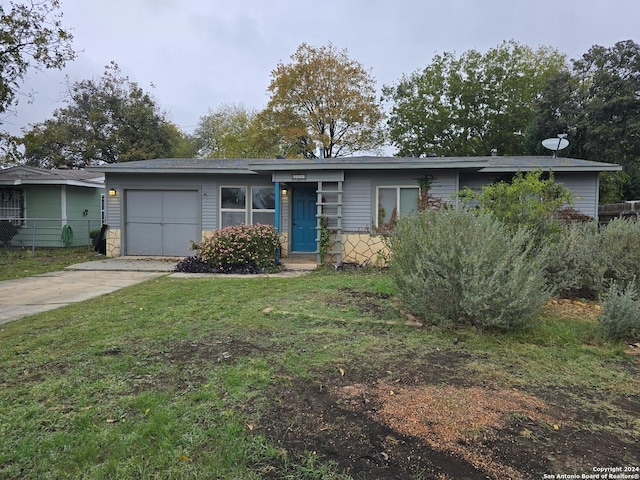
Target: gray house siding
356, 209
475, 181
359, 209
584, 187
112, 217
209, 207
445, 184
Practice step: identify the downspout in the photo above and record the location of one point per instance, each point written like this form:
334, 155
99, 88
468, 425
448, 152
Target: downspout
63, 204
277, 219
457, 182
596, 212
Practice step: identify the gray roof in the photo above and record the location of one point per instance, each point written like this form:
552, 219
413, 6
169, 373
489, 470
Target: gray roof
510, 164
179, 165
24, 175
252, 166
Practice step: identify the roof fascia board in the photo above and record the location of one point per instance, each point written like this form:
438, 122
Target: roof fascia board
368, 166
600, 168
73, 183
208, 171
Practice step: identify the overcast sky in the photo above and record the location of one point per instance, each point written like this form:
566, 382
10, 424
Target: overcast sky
200, 54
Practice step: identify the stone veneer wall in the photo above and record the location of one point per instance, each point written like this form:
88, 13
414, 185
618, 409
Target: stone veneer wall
284, 245
113, 242
364, 248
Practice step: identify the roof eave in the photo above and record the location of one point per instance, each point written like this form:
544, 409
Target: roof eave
512, 169
364, 166
240, 171
72, 183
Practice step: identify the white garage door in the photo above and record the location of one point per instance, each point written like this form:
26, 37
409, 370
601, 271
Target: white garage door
161, 222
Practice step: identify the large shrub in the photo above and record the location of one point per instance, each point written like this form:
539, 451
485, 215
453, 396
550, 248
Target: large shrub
239, 247
455, 266
620, 250
584, 261
528, 200
574, 263
620, 316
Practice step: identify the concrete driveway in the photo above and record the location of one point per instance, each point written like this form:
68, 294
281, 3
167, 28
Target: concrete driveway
26, 296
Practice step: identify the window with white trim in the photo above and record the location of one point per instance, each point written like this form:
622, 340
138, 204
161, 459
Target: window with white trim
393, 202
236, 209
12, 206
263, 205
233, 206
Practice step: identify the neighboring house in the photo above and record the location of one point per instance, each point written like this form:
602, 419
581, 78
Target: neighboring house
41, 203
157, 207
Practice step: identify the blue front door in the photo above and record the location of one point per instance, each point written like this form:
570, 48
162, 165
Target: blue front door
303, 222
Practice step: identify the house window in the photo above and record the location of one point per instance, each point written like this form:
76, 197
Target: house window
263, 205
392, 202
233, 206
12, 206
235, 209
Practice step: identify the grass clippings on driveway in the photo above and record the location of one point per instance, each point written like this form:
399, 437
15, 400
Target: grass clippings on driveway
311, 377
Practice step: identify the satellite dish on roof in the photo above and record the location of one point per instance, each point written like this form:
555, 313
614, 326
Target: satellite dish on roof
556, 144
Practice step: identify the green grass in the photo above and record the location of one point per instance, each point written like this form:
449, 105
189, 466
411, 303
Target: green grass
22, 263
165, 379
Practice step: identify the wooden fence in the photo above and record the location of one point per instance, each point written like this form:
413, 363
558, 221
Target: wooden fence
608, 212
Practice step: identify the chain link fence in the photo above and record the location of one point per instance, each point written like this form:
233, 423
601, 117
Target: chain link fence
34, 233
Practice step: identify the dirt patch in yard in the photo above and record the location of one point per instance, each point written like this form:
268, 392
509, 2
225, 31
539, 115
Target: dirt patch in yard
406, 417
417, 426
369, 303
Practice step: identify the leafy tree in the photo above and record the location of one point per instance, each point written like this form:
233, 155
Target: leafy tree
223, 133
597, 104
282, 134
182, 145
556, 111
324, 96
233, 131
610, 79
106, 121
471, 104
31, 36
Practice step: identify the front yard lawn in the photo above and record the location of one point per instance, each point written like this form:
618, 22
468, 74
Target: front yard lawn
314, 377
17, 263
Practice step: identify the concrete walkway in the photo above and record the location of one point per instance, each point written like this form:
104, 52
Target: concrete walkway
29, 295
